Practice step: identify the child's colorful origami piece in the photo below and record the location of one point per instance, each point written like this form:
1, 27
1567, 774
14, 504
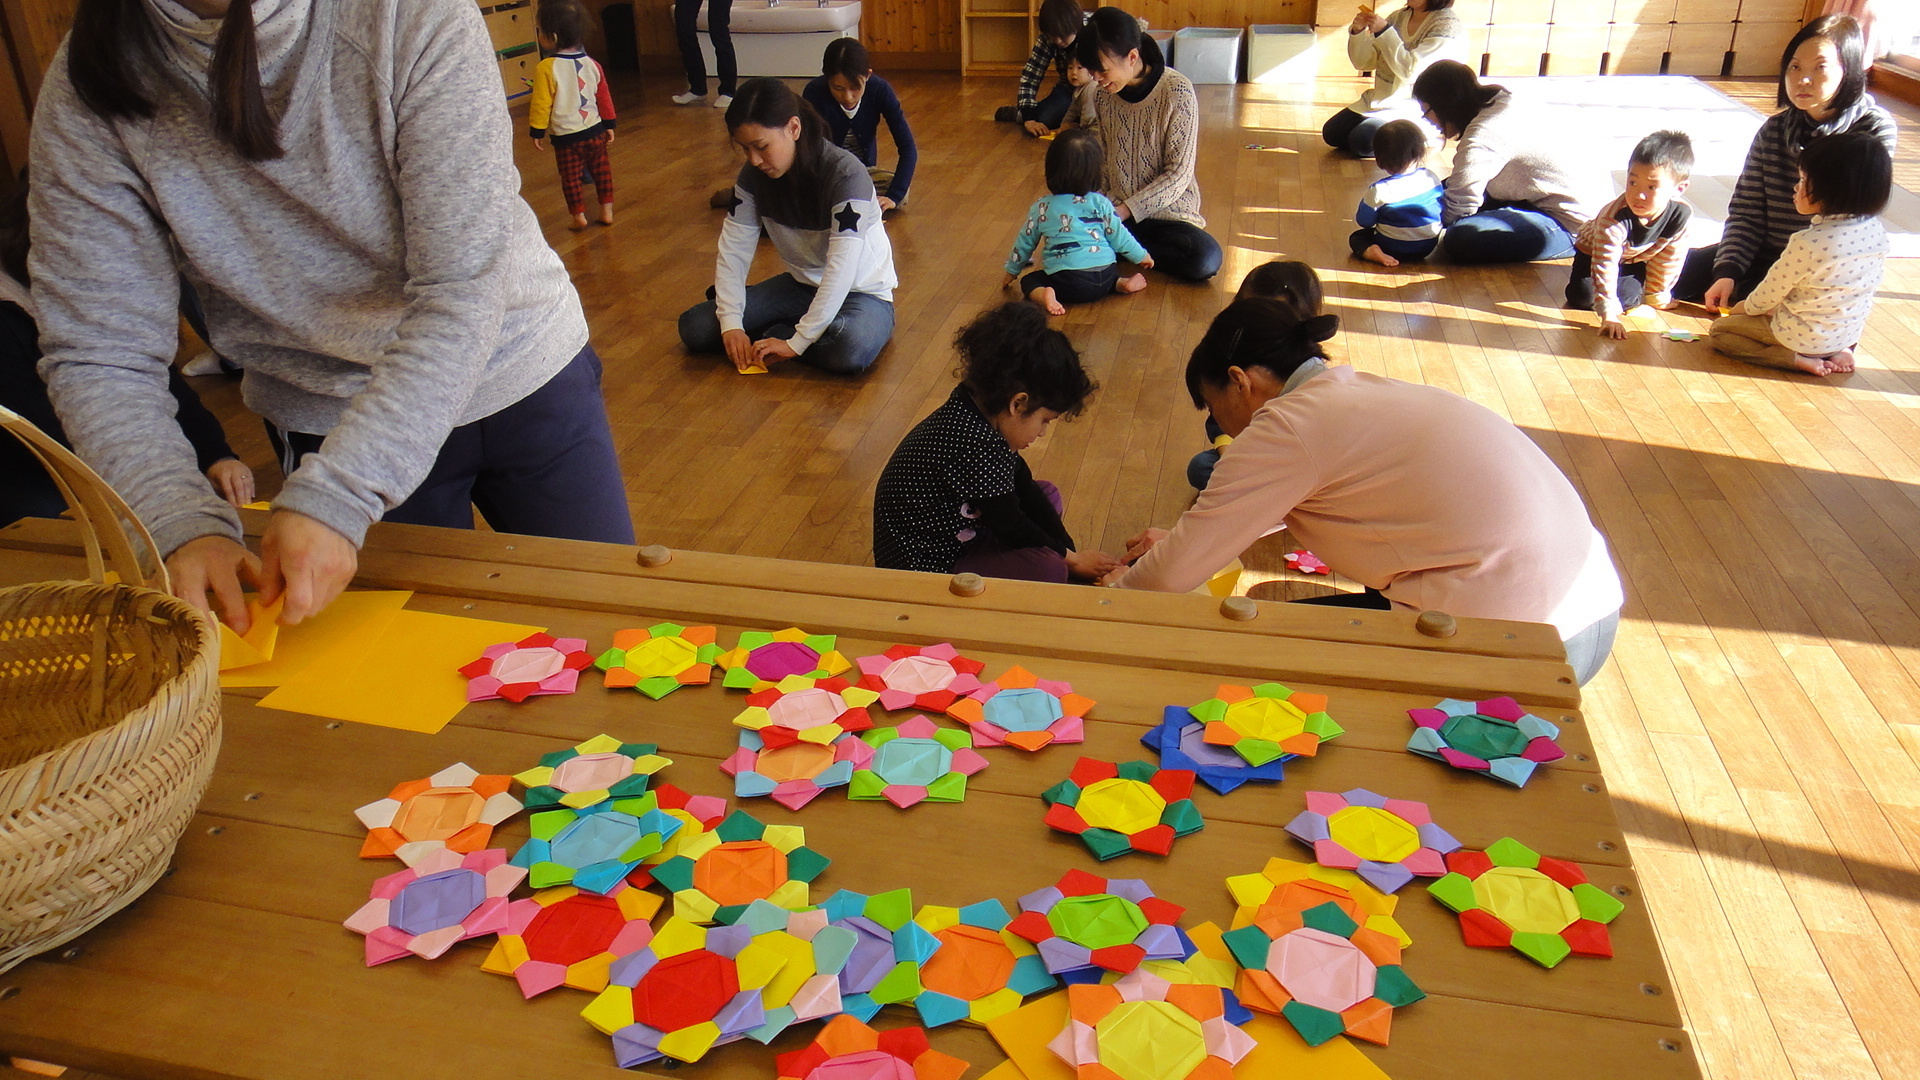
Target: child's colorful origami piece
718, 873
917, 762
442, 898
1267, 722
1115, 809
535, 665
1494, 738
454, 809
848, 1049
1328, 976
1512, 895
1023, 711
1085, 922
695, 813
1146, 1028
930, 679
687, 991
760, 659
594, 771
980, 970
1306, 562
566, 937
1386, 841
660, 659
793, 774
801, 708
1274, 898
888, 950
594, 847
809, 953
1182, 744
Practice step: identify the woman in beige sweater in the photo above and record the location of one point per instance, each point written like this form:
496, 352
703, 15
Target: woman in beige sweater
1396, 49
1149, 126
1429, 500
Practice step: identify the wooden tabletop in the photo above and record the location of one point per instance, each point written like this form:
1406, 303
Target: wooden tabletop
236, 965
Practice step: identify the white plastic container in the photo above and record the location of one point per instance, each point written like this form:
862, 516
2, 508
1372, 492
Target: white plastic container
1207, 54
1279, 53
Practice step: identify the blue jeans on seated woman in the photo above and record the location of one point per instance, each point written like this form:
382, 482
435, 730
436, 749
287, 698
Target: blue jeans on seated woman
852, 341
1504, 232
1179, 249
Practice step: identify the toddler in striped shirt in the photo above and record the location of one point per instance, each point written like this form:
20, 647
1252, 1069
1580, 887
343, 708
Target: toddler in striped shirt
1399, 216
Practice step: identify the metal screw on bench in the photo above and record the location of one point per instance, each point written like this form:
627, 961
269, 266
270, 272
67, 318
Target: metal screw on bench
655, 555
967, 585
1239, 608
1436, 624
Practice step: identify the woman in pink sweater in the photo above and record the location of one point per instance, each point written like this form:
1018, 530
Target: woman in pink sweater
1429, 500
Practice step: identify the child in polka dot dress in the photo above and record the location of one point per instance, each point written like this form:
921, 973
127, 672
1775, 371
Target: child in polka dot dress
957, 496
1809, 312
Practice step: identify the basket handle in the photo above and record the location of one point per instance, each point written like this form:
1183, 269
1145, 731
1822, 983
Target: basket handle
96, 506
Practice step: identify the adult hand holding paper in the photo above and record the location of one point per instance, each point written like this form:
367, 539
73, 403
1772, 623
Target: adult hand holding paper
305, 560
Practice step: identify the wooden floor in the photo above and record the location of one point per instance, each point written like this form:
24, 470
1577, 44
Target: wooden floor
1761, 718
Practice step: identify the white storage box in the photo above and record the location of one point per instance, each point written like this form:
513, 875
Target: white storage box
1206, 54
785, 39
1279, 52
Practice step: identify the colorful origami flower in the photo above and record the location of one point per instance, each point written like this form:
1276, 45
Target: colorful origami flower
1023, 711
1510, 894
454, 809
794, 773
1182, 744
1386, 841
888, 950
847, 1049
1267, 722
660, 659
1115, 809
917, 762
696, 814
1495, 737
442, 898
1306, 562
808, 953
566, 937
760, 659
801, 708
686, 992
1087, 922
1146, 1028
594, 771
980, 970
534, 665
718, 873
1274, 898
911, 677
1328, 976
594, 847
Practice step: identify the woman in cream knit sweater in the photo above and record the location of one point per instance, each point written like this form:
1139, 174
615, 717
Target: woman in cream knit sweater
1396, 49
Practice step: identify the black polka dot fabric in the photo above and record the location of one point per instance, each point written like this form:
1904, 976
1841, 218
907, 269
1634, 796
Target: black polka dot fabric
921, 512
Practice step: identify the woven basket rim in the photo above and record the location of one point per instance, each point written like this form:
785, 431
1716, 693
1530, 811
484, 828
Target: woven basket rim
207, 649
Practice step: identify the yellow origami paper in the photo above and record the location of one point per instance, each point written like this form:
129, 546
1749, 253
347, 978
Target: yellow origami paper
351, 615
256, 645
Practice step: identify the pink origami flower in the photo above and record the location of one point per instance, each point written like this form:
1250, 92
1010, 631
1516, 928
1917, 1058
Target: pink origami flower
1023, 710
441, 899
1306, 562
535, 665
911, 677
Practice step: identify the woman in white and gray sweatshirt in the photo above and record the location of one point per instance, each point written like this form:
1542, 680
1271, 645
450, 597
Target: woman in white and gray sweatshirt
1520, 188
336, 180
1396, 48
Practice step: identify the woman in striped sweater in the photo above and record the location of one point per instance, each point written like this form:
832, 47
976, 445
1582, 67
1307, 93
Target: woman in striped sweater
1823, 84
1149, 126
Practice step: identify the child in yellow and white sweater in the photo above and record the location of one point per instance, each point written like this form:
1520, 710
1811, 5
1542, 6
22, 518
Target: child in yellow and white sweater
572, 108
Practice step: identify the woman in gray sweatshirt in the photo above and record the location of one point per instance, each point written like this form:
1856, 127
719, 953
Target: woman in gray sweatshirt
336, 180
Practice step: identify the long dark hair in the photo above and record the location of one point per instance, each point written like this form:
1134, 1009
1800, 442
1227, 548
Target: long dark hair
1256, 332
1848, 41
797, 194
114, 49
1454, 93
1112, 32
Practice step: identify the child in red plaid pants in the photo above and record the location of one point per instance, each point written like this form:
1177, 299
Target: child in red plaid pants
572, 108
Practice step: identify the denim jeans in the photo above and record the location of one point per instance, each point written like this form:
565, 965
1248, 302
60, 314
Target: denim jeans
849, 346
1052, 109
686, 14
1074, 286
1360, 240
1506, 233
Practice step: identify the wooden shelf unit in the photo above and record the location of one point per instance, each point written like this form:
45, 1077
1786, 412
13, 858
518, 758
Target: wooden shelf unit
996, 36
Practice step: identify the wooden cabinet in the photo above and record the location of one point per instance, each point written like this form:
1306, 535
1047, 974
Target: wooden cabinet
510, 25
996, 36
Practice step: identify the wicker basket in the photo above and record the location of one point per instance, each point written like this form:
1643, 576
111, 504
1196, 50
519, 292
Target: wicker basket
109, 724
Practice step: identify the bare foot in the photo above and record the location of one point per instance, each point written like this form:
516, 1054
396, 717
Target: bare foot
1044, 297
579, 222
606, 213
1841, 361
1130, 284
1374, 254
1812, 365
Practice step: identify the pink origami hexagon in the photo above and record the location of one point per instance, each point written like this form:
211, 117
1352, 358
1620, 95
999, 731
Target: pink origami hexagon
911, 677
533, 666
441, 899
